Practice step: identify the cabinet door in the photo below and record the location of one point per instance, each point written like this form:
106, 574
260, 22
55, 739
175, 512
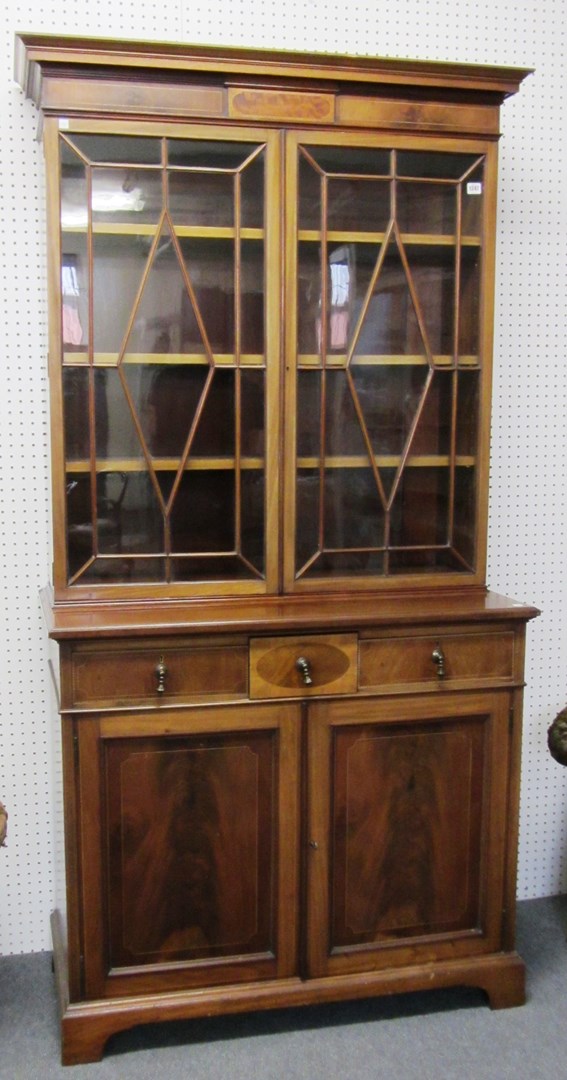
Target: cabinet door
390, 254
188, 829
407, 813
169, 341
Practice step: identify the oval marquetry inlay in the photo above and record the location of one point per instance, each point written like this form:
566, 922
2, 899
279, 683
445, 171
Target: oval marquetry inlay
281, 105
326, 663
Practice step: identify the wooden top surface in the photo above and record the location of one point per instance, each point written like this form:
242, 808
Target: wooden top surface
35, 51
279, 614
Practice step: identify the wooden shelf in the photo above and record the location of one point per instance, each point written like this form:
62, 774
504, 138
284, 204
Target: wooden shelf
416, 239
338, 360
386, 461
201, 232
164, 464
100, 359
205, 464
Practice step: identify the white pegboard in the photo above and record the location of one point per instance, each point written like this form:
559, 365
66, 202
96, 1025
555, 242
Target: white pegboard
527, 538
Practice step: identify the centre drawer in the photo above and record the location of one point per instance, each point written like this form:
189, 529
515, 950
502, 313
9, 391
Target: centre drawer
303, 665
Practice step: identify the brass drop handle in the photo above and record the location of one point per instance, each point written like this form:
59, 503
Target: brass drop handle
438, 657
161, 672
302, 666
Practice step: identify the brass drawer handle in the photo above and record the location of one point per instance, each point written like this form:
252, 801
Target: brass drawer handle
302, 666
161, 672
438, 657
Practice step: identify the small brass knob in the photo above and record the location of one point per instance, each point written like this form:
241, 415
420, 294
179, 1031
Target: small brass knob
302, 666
161, 672
438, 657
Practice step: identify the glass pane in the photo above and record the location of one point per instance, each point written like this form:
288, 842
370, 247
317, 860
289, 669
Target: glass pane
307, 515
465, 517
252, 517
202, 518
126, 196
433, 275
363, 160
427, 208
252, 297
468, 403
433, 432
119, 264
309, 299
119, 148
469, 307
252, 412
309, 205
74, 254
361, 205
210, 266
80, 534
197, 198
389, 398
473, 203
116, 435
354, 516
420, 513
107, 571
211, 568
76, 413
390, 326
252, 193
204, 154
420, 163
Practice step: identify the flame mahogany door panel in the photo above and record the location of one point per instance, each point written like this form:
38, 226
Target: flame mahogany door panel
407, 817
187, 870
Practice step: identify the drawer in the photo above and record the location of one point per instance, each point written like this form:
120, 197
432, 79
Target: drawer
437, 659
309, 664
129, 676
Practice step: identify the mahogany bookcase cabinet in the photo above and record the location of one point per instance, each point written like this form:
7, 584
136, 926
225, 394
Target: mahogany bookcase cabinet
290, 707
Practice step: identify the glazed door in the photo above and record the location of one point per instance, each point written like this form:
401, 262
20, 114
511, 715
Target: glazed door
388, 359
406, 824
169, 343
188, 825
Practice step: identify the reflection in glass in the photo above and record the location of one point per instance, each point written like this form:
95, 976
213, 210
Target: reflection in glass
119, 263
126, 196
74, 254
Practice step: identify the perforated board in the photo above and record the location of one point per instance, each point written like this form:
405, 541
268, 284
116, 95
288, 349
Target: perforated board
527, 536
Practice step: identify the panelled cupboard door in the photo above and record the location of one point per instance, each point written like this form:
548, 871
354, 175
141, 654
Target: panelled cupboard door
189, 834
406, 824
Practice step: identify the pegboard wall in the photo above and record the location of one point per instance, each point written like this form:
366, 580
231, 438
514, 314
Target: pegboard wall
528, 507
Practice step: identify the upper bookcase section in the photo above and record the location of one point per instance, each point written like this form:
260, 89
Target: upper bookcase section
86, 76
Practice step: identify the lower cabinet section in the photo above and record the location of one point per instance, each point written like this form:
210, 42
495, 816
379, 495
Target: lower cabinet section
262, 854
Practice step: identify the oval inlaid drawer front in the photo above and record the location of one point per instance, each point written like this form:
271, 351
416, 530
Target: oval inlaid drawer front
386, 662
302, 666
158, 675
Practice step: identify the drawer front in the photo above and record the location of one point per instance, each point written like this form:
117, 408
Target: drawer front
134, 676
302, 666
441, 659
